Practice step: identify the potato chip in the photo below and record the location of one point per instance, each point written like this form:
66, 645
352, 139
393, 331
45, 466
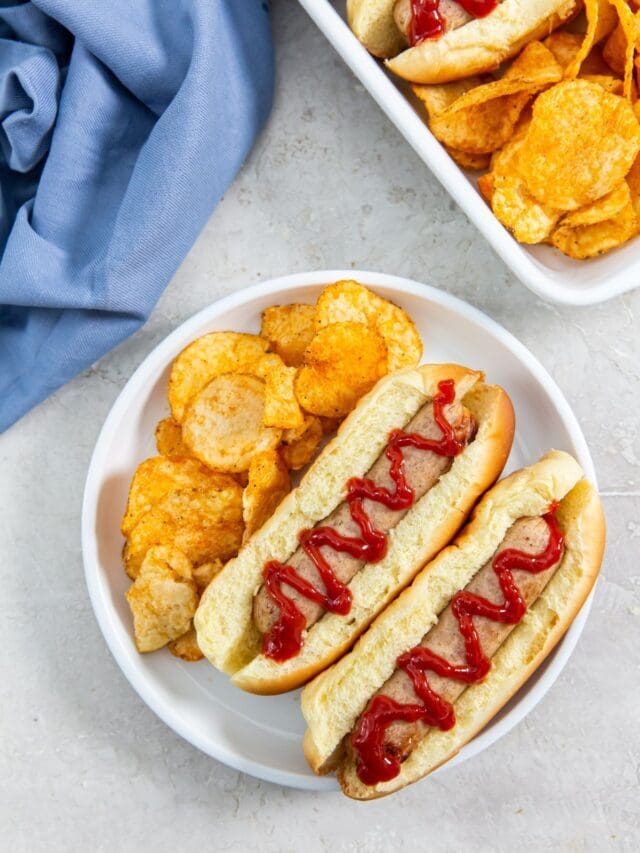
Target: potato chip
586, 241
481, 128
633, 182
485, 185
606, 207
205, 573
207, 357
349, 301
223, 425
580, 144
298, 451
529, 220
290, 436
438, 98
607, 20
594, 65
281, 409
156, 477
608, 83
330, 425
169, 441
564, 46
615, 50
342, 363
268, 484
162, 599
593, 12
473, 162
186, 647
205, 526
289, 329
506, 159
482, 118
620, 46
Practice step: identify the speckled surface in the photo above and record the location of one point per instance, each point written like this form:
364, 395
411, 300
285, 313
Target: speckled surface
85, 765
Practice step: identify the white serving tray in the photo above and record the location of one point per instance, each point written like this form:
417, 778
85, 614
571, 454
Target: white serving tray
542, 269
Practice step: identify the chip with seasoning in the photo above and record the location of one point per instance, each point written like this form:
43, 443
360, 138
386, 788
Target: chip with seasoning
204, 526
349, 301
606, 207
168, 437
477, 116
155, 478
289, 329
281, 409
268, 484
162, 599
223, 426
299, 446
587, 241
186, 646
529, 220
580, 144
473, 162
342, 362
208, 357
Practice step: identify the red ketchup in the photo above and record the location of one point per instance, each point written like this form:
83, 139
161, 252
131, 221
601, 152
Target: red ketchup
284, 640
377, 764
427, 21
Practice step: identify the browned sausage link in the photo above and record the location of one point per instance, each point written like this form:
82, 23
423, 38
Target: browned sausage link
527, 534
453, 15
423, 470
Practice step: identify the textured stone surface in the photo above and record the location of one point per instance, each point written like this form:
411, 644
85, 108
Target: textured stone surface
85, 765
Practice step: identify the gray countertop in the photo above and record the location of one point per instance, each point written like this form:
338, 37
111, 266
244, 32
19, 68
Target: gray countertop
85, 764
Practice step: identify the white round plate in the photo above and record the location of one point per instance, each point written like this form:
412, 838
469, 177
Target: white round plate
263, 735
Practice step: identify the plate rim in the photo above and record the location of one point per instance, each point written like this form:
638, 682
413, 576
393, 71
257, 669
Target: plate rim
159, 355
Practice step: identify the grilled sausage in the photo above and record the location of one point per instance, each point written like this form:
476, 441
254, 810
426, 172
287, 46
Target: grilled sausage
423, 470
452, 13
529, 535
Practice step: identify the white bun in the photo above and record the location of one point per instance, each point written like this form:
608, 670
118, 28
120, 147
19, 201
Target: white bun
372, 23
332, 703
224, 622
480, 45
483, 43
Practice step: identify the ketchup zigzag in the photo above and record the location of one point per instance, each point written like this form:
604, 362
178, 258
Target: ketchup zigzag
375, 763
284, 639
428, 22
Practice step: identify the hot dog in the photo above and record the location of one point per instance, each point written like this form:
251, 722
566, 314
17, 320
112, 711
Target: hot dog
443, 659
426, 41
416, 453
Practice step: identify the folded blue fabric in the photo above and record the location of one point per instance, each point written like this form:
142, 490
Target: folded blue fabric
122, 122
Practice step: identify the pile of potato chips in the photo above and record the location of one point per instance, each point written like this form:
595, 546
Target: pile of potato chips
559, 132
246, 410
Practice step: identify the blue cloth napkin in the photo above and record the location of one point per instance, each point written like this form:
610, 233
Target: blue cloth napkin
122, 122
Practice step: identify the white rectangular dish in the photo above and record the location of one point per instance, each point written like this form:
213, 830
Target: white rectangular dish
542, 269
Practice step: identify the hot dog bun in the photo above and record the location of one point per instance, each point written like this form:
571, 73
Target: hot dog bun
332, 703
373, 24
478, 46
484, 43
224, 622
